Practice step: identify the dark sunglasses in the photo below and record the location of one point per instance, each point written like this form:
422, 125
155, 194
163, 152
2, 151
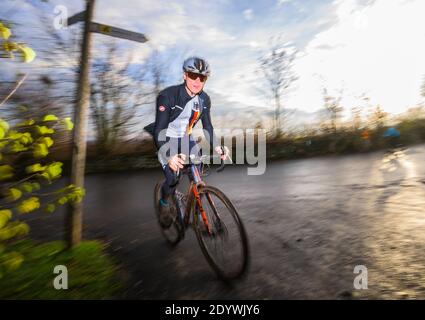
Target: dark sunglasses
195, 76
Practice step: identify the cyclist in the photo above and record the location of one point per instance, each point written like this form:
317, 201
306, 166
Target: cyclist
178, 109
393, 137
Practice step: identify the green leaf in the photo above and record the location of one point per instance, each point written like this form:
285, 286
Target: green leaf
37, 167
9, 47
6, 233
44, 130
17, 147
62, 200
3, 144
68, 124
76, 195
28, 54
50, 208
14, 135
35, 186
28, 122
29, 205
45, 175
23, 229
19, 137
26, 138
54, 170
50, 117
6, 172
25, 187
5, 216
4, 32
40, 150
46, 140
4, 125
13, 194
13, 229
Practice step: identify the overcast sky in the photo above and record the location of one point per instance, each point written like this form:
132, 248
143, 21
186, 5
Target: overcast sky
375, 48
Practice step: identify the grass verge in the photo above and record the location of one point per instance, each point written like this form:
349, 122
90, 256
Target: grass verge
91, 273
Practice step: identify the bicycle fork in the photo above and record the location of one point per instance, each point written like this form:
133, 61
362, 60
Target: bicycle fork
201, 209
197, 181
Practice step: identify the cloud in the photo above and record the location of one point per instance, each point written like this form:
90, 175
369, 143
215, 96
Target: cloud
375, 48
282, 2
248, 14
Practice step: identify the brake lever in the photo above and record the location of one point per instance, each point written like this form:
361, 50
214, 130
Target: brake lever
223, 164
221, 168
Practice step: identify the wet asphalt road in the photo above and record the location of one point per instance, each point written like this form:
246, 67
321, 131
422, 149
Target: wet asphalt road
309, 222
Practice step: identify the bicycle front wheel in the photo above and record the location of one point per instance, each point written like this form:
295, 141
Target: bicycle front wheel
221, 235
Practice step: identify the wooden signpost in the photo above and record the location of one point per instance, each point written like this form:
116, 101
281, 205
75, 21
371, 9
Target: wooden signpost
74, 215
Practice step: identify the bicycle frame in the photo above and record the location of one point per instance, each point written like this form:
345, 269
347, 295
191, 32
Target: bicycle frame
196, 181
193, 196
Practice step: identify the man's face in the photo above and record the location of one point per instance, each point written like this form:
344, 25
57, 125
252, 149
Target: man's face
195, 82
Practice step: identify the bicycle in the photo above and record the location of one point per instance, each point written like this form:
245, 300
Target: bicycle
207, 210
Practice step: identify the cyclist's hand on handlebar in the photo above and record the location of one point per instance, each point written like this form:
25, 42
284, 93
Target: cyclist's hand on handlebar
176, 162
222, 151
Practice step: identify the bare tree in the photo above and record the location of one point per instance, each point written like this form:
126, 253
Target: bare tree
378, 118
114, 100
333, 110
356, 119
60, 54
276, 66
157, 70
157, 67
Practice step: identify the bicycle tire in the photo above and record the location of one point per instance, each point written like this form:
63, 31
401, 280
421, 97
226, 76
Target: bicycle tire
174, 233
198, 227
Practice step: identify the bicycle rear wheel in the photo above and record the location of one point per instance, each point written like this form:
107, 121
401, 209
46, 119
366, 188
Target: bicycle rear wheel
224, 243
174, 233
